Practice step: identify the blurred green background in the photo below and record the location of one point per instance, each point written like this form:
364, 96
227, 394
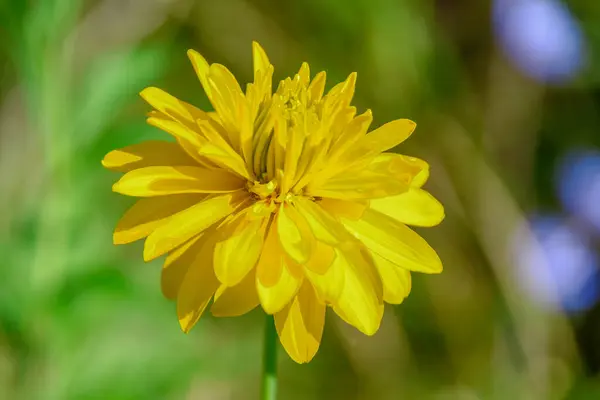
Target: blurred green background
507, 101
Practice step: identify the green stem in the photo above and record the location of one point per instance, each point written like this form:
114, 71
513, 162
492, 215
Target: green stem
269, 374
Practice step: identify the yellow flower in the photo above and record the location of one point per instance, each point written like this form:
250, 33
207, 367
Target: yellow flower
279, 199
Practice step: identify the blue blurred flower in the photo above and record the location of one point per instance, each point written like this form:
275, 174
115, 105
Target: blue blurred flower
541, 38
556, 265
578, 178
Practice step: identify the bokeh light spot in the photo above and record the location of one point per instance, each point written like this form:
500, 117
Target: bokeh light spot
540, 37
578, 183
556, 265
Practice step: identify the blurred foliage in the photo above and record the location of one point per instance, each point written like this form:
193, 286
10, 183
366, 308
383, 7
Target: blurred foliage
82, 319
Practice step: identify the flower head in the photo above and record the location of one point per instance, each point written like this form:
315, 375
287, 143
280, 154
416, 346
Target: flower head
277, 199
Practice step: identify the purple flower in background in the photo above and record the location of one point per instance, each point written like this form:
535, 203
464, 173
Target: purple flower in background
557, 267
540, 37
578, 178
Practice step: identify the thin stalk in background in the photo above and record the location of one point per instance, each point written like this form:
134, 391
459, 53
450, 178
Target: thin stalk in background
269, 373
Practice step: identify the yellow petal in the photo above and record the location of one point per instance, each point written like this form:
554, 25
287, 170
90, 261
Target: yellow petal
414, 207
395, 241
316, 87
357, 185
236, 300
225, 94
411, 171
275, 295
146, 154
353, 131
343, 208
230, 161
300, 325
343, 118
396, 280
261, 62
201, 67
293, 150
294, 234
322, 224
304, 74
262, 146
197, 288
186, 135
188, 223
279, 143
177, 264
148, 214
240, 248
420, 178
160, 181
218, 150
361, 301
321, 259
246, 119
339, 97
384, 138
392, 165
329, 284
258, 94
335, 109
350, 132
277, 280
311, 161
271, 162
214, 116
178, 110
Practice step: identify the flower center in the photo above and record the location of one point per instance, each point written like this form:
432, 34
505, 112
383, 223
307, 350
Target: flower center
262, 191
296, 119
267, 197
